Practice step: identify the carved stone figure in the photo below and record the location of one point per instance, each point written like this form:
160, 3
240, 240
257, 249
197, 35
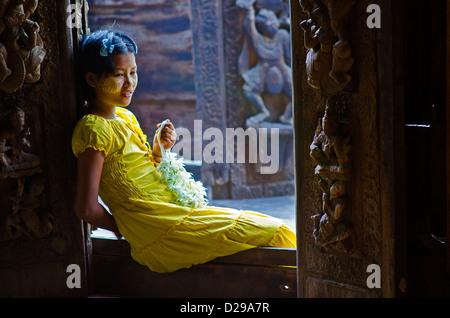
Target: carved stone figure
14, 161
272, 73
280, 7
21, 47
326, 37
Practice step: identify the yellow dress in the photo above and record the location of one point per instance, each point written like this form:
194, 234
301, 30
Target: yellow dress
163, 236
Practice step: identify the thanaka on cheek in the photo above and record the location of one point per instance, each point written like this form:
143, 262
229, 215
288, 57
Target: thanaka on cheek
109, 85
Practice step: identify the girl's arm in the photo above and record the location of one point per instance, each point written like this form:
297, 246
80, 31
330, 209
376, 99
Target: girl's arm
87, 207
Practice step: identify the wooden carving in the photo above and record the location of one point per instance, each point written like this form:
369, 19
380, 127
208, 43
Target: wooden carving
21, 55
27, 218
328, 63
331, 152
21, 47
15, 162
326, 38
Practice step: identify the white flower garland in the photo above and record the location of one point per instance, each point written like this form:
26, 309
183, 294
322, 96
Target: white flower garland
189, 192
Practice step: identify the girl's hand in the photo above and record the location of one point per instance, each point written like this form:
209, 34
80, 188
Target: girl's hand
168, 138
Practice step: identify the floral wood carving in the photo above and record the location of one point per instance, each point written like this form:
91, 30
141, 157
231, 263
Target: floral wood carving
21, 47
328, 63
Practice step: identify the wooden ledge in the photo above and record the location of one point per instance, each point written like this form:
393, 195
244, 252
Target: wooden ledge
260, 256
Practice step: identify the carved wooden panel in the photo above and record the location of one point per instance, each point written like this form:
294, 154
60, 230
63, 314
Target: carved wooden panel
337, 83
22, 52
21, 47
39, 233
328, 63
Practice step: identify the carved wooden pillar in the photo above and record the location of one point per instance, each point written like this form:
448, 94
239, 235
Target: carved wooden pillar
39, 234
349, 147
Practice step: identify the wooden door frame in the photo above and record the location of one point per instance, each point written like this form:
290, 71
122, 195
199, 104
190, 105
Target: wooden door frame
448, 132
112, 271
392, 127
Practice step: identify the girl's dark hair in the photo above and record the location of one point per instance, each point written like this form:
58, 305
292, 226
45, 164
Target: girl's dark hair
95, 54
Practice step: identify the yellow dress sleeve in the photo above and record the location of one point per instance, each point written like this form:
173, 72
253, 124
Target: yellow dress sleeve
92, 132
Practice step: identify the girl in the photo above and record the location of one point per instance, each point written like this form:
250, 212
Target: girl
116, 162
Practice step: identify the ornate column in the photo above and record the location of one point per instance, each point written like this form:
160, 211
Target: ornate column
348, 187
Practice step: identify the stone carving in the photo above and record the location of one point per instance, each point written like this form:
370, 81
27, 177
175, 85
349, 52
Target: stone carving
326, 38
280, 7
21, 47
209, 84
328, 63
272, 73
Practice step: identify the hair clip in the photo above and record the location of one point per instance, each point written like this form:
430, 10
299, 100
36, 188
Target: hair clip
105, 50
126, 37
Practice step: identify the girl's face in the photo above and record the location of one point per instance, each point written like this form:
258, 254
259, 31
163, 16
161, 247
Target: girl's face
117, 89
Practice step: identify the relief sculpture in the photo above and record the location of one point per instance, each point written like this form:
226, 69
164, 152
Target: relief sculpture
328, 65
271, 73
21, 54
21, 47
331, 152
326, 37
16, 163
26, 218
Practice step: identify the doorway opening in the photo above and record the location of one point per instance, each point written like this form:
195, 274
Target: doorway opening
167, 89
